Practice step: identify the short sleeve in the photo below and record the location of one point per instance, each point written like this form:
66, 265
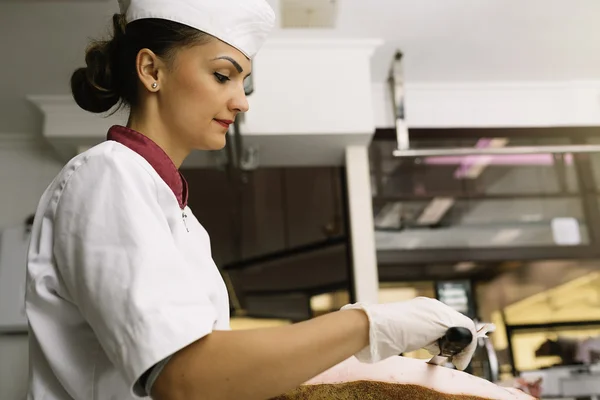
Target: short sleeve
119, 261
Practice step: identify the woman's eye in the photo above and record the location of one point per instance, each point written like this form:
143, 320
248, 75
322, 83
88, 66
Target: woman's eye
221, 78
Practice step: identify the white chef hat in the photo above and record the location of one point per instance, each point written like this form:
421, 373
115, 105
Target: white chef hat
243, 24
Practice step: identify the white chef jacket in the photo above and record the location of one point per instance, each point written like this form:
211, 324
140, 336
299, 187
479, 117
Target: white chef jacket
119, 273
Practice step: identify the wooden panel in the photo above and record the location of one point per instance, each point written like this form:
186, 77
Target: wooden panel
212, 200
312, 204
262, 213
243, 218
325, 267
248, 218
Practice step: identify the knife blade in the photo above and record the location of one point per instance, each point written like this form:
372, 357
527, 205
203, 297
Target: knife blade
453, 342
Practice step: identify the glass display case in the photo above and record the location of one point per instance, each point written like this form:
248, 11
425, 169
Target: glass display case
536, 205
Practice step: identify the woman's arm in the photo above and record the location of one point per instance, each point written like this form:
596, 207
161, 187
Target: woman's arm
261, 363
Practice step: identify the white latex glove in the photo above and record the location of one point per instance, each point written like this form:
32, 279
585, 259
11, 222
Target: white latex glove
401, 327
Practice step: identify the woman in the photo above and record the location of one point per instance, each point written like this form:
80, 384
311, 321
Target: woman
123, 297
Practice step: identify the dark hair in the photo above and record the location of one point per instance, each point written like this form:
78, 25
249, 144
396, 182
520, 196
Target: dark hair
110, 77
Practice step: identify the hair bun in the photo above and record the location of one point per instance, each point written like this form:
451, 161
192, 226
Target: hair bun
95, 87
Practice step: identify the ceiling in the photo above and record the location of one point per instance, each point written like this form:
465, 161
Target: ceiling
443, 41
473, 40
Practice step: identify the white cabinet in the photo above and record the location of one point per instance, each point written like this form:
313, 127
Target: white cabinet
14, 243
312, 99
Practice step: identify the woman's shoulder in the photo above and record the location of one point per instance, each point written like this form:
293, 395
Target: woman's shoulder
105, 166
110, 158
113, 157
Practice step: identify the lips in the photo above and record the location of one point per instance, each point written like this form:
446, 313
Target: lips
224, 122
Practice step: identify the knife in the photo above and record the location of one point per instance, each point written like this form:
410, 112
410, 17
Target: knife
453, 342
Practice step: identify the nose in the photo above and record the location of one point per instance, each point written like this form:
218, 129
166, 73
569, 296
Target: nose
239, 101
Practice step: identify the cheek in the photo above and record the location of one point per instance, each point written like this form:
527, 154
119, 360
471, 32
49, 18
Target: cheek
193, 102
194, 95
189, 89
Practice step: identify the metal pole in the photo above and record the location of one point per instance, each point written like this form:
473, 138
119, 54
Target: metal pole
396, 81
473, 151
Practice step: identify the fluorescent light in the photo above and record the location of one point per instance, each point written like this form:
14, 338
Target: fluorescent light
389, 216
473, 166
508, 160
505, 236
565, 231
435, 210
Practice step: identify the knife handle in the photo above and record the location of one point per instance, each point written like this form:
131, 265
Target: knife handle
454, 341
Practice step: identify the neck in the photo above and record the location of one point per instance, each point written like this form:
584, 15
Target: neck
155, 130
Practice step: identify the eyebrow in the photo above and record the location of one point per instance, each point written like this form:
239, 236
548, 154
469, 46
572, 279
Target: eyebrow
237, 66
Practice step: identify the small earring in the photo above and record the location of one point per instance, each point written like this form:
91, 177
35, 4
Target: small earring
154, 85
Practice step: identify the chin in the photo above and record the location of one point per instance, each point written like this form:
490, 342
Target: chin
219, 143
213, 144
209, 140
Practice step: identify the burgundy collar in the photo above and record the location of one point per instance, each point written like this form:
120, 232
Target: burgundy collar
155, 156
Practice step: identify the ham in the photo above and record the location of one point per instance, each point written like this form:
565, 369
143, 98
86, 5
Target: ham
399, 378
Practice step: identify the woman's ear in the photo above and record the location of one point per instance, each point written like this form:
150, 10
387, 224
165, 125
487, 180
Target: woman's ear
148, 65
